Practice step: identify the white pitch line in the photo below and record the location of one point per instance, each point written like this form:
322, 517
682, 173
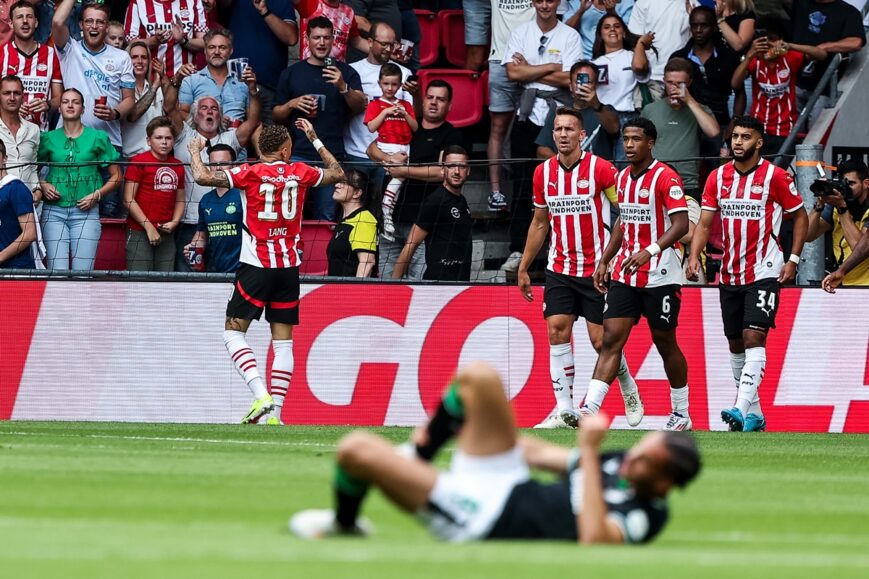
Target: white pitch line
173, 439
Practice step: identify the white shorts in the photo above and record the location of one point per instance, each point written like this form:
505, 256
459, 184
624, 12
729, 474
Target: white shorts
393, 148
467, 500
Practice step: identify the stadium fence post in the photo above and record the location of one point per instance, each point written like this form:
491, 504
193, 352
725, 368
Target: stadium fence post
811, 270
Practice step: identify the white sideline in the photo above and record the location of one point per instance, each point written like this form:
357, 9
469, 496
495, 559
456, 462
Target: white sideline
171, 439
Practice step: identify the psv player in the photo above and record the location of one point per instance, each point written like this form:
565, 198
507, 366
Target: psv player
573, 193
647, 275
268, 278
750, 195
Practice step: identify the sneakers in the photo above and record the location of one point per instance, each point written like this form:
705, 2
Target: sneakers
388, 228
570, 418
261, 406
634, 409
732, 417
320, 523
552, 422
754, 423
678, 423
497, 201
512, 263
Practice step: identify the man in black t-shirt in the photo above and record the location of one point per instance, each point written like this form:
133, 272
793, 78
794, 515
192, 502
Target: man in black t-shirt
422, 174
487, 493
444, 223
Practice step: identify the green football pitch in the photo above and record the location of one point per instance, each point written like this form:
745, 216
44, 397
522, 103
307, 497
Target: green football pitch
125, 500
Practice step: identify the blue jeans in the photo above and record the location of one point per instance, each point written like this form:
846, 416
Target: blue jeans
389, 251
69, 230
319, 204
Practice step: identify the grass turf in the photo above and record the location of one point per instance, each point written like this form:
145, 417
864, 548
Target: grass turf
100, 500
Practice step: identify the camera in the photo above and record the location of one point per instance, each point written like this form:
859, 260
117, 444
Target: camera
823, 187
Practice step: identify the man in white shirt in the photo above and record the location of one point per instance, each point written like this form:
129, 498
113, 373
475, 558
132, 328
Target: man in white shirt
21, 137
668, 20
539, 55
381, 42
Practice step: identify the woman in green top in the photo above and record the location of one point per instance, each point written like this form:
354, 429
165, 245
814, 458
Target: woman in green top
73, 187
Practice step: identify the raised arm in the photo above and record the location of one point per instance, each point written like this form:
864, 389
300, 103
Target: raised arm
544, 455
201, 174
254, 109
284, 30
332, 171
59, 30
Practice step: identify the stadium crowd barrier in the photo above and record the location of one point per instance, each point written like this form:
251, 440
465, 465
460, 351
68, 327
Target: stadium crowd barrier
380, 354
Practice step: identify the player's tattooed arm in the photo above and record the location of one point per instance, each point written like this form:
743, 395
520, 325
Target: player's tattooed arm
332, 171
201, 174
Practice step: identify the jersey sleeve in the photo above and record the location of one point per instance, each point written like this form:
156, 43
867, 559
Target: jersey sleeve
135, 171
185, 93
710, 192
200, 24
106, 152
351, 77
364, 234
237, 176
671, 193
606, 177
21, 199
371, 111
132, 23
785, 192
56, 73
201, 225
537, 187
128, 81
309, 176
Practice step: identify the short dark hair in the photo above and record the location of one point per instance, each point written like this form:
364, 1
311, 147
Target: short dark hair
217, 32
104, 8
679, 64
684, 463
853, 166
159, 123
440, 83
701, 9
223, 147
12, 78
647, 126
390, 69
318, 22
584, 64
773, 26
454, 150
748, 122
21, 4
569, 112
271, 138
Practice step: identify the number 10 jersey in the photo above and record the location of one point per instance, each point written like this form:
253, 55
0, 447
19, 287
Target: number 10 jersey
274, 194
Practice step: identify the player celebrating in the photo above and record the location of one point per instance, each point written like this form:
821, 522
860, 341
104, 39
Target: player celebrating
488, 493
572, 195
750, 194
268, 278
647, 276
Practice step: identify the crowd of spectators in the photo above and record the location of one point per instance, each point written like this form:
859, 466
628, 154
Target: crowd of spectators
98, 102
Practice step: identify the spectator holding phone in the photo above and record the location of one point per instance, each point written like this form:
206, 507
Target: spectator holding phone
774, 66
394, 121
307, 90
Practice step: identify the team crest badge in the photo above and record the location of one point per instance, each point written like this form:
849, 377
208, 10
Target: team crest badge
41, 67
784, 73
676, 192
230, 209
110, 66
280, 170
583, 184
644, 193
757, 189
184, 13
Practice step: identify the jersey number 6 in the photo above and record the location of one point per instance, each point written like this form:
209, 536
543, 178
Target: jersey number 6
289, 196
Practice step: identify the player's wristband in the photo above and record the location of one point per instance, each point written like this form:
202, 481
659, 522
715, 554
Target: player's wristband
794, 258
653, 249
318, 144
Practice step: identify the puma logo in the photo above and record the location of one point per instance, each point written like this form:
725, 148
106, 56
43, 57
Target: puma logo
666, 318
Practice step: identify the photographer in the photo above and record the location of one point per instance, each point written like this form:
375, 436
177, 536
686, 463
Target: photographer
842, 206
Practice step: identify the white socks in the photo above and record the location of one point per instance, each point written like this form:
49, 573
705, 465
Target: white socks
679, 400
282, 371
597, 390
749, 381
737, 362
561, 371
390, 195
245, 362
626, 381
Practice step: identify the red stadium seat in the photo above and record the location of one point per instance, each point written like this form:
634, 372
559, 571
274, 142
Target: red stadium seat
112, 248
429, 43
315, 238
468, 97
452, 24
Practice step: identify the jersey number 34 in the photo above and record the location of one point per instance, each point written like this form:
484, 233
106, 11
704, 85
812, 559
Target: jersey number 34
288, 201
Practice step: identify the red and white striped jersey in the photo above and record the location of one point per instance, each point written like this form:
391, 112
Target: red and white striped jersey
751, 214
774, 91
645, 205
343, 20
578, 199
37, 71
146, 17
274, 194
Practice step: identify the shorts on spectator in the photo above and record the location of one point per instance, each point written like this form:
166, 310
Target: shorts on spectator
749, 307
274, 290
576, 296
659, 305
393, 148
479, 25
503, 94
